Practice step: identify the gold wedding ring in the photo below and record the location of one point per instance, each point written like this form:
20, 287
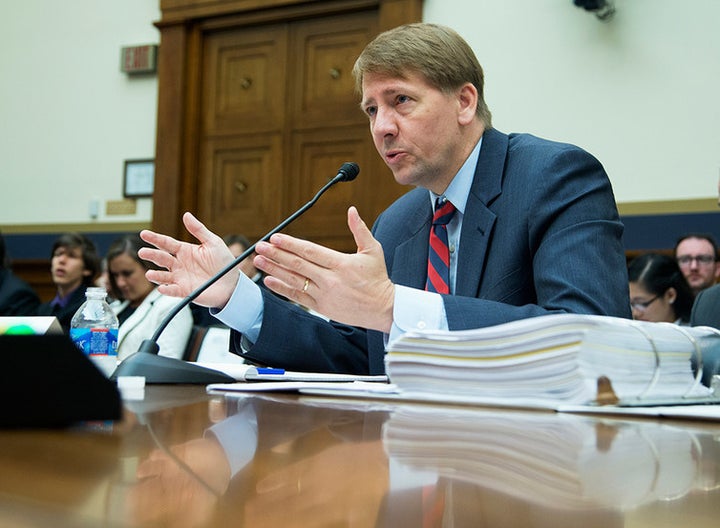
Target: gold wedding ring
305, 286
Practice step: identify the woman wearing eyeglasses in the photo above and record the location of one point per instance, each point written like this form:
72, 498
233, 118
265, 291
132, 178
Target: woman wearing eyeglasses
658, 290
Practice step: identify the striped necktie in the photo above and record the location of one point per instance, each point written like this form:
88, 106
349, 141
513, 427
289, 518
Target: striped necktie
438, 275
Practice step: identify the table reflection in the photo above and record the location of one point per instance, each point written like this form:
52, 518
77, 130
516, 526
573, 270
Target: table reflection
183, 458
558, 461
264, 461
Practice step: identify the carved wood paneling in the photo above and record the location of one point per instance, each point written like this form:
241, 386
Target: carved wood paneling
321, 66
241, 183
244, 80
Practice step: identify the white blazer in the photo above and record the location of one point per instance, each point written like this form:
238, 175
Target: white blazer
144, 321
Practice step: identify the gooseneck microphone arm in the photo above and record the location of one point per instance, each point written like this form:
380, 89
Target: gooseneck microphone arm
149, 347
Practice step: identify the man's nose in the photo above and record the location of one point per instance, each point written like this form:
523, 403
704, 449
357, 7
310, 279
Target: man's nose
385, 123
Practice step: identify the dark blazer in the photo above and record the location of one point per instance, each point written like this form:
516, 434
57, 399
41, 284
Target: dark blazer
706, 308
65, 314
16, 296
706, 312
541, 234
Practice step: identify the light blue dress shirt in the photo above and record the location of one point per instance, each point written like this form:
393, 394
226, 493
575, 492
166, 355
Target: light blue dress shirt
421, 310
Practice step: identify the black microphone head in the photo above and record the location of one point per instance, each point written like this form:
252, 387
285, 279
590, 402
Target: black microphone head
348, 171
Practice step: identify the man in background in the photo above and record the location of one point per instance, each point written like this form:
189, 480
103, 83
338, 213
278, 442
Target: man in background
16, 296
238, 244
74, 266
697, 256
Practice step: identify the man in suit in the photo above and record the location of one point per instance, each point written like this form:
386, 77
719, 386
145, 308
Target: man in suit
536, 229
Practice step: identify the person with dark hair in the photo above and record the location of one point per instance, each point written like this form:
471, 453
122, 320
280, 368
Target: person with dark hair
658, 290
499, 227
74, 266
697, 256
142, 307
16, 296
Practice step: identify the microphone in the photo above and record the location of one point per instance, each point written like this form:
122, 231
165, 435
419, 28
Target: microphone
161, 369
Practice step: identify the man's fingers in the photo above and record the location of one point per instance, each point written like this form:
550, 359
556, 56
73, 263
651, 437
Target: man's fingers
159, 257
296, 254
163, 242
364, 239
197, 229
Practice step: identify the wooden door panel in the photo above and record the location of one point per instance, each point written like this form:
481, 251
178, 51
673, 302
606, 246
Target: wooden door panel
240, 189
321, 69
244, 80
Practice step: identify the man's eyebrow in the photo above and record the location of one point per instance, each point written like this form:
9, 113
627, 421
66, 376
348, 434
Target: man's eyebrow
385, 93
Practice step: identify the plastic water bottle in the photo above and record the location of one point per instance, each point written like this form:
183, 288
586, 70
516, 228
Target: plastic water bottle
94, 329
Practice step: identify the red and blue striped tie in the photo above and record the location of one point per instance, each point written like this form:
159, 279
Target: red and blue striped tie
438, 275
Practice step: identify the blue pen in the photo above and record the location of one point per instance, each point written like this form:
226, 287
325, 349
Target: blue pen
267, 370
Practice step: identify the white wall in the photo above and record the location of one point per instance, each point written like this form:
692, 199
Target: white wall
68, 116
639, 92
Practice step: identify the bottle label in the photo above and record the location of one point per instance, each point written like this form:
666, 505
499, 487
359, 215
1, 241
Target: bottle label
95, 341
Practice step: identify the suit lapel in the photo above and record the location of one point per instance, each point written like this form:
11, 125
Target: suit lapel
479, 220
137, 317
410, 259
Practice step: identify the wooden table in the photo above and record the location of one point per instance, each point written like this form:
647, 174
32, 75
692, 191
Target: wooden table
182, 458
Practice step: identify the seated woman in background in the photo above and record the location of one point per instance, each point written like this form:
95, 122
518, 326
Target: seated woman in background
141, 307
658, 290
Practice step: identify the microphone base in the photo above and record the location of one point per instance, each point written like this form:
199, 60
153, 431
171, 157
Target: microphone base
161, 369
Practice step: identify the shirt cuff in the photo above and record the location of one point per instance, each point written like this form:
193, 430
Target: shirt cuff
244, 311
417, 310
238, 437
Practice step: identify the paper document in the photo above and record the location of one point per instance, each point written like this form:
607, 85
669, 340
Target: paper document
356, 387
251, 373
556, 358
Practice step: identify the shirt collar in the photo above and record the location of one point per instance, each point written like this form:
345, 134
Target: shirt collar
459, 188
62, 302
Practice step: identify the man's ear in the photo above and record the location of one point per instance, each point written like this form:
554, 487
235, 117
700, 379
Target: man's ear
468, 100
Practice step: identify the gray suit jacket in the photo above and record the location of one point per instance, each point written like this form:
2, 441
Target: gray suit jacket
541, 234
706, 308
706, 312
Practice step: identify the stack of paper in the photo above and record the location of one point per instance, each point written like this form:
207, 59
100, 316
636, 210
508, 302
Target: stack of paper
552, 358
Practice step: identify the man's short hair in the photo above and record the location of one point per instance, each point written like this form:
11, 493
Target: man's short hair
436, 52
702, 236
